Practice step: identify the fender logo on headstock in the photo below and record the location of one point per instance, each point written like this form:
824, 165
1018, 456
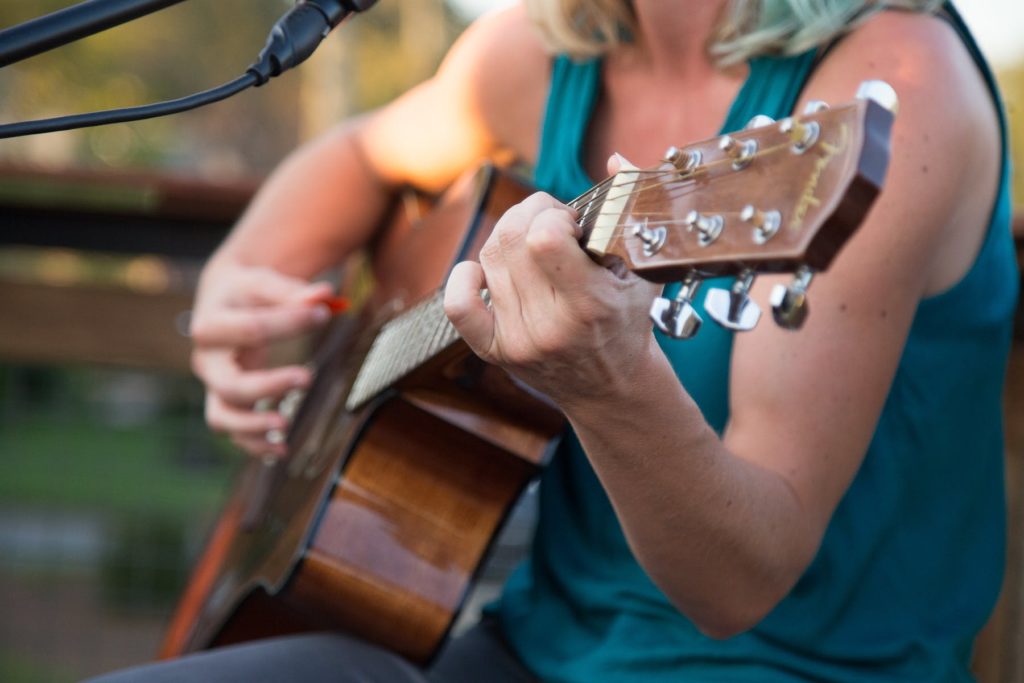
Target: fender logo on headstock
808, 199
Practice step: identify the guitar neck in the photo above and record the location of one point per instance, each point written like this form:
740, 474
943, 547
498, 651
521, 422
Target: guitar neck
773, 198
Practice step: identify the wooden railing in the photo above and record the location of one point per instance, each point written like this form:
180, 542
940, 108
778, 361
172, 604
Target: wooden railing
118, 212
74, 316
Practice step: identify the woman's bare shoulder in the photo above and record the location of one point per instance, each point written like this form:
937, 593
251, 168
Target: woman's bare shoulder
945, 146
485, 100
508, 68
921, 56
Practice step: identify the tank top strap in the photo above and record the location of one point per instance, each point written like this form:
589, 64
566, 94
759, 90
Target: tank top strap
571, 99
772, 88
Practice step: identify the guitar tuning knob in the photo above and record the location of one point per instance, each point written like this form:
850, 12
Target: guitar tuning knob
742, 152
685, 162
653, 238
801, 135
814, 107
789, 303
677, 317
734, 309
766, 223
708, 227
759, 121
881, 93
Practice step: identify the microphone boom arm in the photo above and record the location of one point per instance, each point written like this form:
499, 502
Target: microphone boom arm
70, 24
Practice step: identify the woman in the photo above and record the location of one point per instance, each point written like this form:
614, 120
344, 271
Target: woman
771, 507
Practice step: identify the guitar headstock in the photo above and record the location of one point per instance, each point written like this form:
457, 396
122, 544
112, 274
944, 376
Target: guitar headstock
776, 197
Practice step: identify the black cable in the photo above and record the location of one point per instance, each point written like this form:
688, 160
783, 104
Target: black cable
146, 111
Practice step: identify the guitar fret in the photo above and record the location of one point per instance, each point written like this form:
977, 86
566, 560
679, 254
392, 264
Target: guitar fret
437, 335
401, 346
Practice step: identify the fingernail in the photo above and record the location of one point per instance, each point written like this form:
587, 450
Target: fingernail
321, 313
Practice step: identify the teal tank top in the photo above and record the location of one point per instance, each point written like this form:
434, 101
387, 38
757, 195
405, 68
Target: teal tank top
912, 560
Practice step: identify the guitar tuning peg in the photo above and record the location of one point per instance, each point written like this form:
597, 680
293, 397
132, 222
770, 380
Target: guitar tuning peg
802, 135
759, 121
734, 309
653, 238
881, 93
766, 223
677, 317
789, 303
708, 227
815, 106
742, 152
685, 162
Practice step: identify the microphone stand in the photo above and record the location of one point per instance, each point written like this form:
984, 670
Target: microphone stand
70, 24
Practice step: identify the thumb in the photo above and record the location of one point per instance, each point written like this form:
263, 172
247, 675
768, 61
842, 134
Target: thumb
466, 308
616, 162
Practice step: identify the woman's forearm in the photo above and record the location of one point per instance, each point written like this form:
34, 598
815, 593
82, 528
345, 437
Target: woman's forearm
724, 538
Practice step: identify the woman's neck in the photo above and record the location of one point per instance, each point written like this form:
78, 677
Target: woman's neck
674, 35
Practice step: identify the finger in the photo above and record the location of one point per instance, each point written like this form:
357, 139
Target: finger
524, 212
467, 310
256, 326
512, 228
616, 162
511, 276
252, 357
259, 446
224, 417
554, 250
269, 286
314, 292
222, 375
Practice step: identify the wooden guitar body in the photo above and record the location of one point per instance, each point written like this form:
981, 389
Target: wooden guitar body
379, 517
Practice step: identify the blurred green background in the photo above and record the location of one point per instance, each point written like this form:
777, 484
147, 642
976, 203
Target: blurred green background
109, 480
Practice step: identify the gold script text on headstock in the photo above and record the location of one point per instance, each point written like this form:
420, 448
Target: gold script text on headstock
808, 198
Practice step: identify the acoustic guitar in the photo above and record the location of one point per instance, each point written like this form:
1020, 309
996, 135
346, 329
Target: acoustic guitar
407, 452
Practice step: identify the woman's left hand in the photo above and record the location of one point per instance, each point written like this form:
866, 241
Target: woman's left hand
557, 320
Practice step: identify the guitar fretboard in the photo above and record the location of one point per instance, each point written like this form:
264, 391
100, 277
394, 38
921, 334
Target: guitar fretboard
403, 345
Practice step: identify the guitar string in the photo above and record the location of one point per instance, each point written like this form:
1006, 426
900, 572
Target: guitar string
678, 189
673, 171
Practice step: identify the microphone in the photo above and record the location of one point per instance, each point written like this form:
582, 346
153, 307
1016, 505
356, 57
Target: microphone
298, 33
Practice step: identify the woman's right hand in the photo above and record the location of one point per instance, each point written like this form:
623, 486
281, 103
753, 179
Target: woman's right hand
240, 310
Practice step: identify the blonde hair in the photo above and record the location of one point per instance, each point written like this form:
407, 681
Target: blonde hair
749, 28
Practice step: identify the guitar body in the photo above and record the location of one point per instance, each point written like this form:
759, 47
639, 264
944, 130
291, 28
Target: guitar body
379, 517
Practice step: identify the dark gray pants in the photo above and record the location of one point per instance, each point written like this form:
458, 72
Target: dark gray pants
479, 655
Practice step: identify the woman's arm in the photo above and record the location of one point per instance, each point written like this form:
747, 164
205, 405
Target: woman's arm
326, 200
